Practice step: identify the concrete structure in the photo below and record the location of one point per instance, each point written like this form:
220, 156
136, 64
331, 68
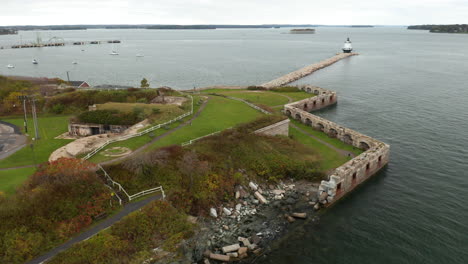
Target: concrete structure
280, 128
84, 130
346, 177
296, 75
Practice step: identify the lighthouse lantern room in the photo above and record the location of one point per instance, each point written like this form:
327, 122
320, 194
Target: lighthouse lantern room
347, 48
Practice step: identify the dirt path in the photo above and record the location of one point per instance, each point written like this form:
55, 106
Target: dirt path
142, 148
127, 209
341, 151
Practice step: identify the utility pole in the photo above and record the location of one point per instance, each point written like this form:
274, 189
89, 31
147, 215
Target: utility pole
23, 99
68, 76
34, 114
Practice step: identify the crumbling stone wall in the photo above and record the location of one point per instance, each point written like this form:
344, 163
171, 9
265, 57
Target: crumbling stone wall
346, 177
279, 128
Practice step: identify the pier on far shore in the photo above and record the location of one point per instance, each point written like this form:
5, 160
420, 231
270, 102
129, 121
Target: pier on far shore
301, 73
58, 44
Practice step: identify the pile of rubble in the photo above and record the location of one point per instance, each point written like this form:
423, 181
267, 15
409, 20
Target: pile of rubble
258, 215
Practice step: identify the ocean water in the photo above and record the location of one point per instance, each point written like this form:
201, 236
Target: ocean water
407, 88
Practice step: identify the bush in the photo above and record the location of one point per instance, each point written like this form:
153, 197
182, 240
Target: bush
257, 88
142, 100
111, 117
58, 108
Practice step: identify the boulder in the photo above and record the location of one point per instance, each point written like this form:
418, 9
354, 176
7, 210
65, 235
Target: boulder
238, 207
213, 213
255, 239
219, 257
242, 250
260, 197
299, 215
278, 192
290, 219
233, 254
231, 248
316, 206
323, 196
245, 241
253, 186
237, 194
227, 211
206, 261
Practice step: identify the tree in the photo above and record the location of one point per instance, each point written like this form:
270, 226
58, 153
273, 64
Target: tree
144, 83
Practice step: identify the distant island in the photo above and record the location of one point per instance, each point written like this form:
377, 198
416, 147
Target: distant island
457, 28
302, 31
362, 26
8, 31
161, 26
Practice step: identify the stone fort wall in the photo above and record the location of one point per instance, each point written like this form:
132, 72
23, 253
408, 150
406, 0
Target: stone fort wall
346, 177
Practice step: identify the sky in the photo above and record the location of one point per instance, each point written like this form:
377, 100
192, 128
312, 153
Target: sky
329, 12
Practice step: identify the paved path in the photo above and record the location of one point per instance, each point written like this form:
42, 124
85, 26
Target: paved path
127, 209
341, 151
11, 139
142, 148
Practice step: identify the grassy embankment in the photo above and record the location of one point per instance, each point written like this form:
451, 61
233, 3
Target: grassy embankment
330, 158
11, 179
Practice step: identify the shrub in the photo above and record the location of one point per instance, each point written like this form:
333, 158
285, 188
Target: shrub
58, 108
257, 88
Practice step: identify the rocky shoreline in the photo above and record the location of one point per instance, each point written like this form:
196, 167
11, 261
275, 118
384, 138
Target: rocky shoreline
242, 231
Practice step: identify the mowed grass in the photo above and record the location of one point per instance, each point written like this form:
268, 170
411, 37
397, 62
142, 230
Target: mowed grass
269, 98
11, 179
296, 96
220, 113
330, 159
333, 141
137, 142
166, 112
49, 128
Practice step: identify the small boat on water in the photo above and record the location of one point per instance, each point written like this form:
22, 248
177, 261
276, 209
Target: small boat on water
10, 66
74, 62
34, 61
114, 53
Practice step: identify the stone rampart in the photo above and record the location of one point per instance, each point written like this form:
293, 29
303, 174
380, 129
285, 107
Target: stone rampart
296, 75
346, 177
280, 128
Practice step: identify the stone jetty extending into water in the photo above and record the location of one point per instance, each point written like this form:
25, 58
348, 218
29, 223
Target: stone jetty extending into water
301, 73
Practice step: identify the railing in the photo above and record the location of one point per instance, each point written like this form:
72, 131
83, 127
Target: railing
250, 104
193, 140
133, 196
96, 150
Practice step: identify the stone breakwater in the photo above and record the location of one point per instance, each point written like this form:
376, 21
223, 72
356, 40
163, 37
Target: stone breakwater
346, 177
296, 75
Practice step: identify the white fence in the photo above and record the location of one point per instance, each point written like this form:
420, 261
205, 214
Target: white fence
250, 104
92, 153
193, 140
133, 196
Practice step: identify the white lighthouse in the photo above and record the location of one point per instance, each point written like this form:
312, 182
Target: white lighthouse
347, 48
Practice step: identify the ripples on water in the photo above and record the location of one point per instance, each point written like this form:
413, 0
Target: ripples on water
407, 88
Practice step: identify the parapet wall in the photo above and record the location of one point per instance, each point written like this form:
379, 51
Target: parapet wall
279, 128
346, 177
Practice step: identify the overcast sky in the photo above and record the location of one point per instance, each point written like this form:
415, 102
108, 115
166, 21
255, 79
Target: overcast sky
332, 12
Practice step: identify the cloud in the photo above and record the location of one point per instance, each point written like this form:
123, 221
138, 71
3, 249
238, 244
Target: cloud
46, 12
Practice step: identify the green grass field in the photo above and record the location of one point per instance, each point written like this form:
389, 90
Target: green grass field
137, 142
11, 179
49, 128
219, 114
333, 141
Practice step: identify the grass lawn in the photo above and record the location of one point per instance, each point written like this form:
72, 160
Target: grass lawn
330, 159
219, 114
137, 142
49, 128
166, 111
333, 141
296, 96
10, 179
